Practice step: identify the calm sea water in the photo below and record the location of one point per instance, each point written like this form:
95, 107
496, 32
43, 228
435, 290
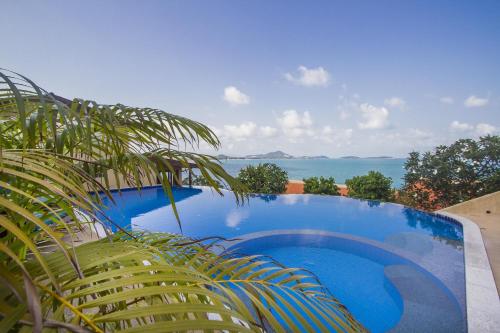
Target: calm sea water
340, 169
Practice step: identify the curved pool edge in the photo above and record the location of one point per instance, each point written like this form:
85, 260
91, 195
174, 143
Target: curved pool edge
482, 301
315, 232
410, 315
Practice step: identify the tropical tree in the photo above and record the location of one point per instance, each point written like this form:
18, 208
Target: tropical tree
373, 186
266, 178
451, 174
51, 151
320, 185
199, 180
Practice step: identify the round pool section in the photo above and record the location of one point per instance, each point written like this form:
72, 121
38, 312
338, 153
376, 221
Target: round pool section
356, 270
343, 265
395, 268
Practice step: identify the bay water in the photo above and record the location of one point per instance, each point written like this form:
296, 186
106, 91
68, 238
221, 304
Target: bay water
339, 168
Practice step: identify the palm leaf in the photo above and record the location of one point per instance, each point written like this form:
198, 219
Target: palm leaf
52, 150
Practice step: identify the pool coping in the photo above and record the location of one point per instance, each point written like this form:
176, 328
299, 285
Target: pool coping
408, 256
482, 301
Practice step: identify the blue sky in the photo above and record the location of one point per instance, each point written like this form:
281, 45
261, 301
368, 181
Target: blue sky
334, 77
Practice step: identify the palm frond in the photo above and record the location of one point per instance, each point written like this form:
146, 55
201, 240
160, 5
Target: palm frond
143, 286
53, 152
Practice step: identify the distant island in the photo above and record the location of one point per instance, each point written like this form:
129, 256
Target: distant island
370, 157
275, 155
279, 155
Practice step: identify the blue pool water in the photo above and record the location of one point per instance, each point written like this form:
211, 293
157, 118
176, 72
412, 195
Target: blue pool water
351, 278
349, 272
393, 267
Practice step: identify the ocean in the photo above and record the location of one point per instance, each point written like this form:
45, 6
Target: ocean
340, 169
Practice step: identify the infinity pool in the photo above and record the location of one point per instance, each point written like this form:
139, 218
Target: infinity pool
395, 268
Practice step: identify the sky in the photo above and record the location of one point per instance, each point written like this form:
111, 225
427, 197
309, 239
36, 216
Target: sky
306, 77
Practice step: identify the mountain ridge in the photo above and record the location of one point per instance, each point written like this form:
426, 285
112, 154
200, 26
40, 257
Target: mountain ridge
280, 155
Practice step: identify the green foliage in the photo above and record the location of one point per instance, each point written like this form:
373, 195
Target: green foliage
51, 150
452, 174
320, 185
267, 178
373, 186
200, 180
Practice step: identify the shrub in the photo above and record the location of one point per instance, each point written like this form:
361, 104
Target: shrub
199, 180
451, 174
374, 186
320, 185
267, 178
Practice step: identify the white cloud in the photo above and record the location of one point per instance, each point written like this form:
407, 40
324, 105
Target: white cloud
239, 132
374, 117
268, 131
418, 134
339, 137
458, 126
294, 125
235, 97
485, 129
447, 100
344, 115
232, 134
475, 102
404, 140
347, 104
478, 130
396, 102
327, 130
310, 77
